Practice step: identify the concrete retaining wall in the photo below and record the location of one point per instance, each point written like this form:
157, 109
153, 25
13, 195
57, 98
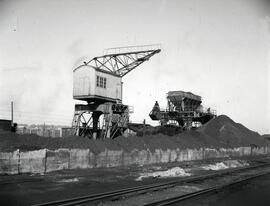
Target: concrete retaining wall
57, 160
32, 161
42, 161
9, 162
79, 158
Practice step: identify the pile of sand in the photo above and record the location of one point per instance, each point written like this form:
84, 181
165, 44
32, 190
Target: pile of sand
173, 172
219, 132
225, 165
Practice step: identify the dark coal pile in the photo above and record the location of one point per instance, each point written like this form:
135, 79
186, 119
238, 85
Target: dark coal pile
226, 132
169, 130
266, 136
219, 132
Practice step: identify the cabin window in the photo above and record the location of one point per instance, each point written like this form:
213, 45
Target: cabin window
101, 82
97, 81
104, 82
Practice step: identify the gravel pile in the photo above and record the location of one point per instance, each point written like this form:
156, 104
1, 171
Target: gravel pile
219, 132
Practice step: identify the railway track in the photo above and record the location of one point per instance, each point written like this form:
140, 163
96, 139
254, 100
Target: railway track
180, 198
161, 186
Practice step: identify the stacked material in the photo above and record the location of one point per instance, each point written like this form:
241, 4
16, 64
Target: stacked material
217, 133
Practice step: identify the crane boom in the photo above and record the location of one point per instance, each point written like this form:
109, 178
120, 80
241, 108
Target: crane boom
122, 60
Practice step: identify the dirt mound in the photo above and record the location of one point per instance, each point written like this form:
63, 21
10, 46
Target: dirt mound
219, 132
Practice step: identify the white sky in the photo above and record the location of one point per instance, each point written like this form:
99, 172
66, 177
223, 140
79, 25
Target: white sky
217, 49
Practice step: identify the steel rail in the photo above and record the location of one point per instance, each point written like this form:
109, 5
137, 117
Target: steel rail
180, 198
143, 188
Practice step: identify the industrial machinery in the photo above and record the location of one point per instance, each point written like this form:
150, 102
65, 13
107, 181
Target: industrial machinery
99, 84
184, 109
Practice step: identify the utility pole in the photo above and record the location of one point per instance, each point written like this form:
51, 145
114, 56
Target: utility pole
11, 113
143, 127
43, 129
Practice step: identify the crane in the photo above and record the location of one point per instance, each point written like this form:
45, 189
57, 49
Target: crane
98, 82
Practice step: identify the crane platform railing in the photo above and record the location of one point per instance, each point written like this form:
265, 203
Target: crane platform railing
131, 49
121, 60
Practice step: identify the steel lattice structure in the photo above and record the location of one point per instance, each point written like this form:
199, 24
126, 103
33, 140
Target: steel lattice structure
120, 63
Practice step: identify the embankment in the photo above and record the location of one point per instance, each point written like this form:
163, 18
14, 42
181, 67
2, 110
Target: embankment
219, 138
